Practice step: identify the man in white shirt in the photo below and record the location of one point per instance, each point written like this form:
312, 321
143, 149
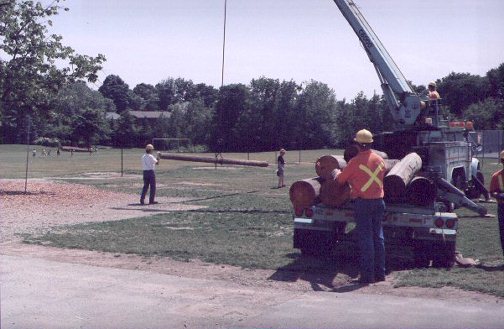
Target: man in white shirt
149, 163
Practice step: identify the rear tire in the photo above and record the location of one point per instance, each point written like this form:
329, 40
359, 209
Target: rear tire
459, 181
421, 255
313, 243
443, 254
476, 189
480, 177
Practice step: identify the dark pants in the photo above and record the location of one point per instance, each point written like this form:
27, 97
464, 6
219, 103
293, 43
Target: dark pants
149, 178
500, 215
369, 216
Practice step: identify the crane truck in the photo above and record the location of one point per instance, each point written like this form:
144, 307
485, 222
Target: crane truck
447, 159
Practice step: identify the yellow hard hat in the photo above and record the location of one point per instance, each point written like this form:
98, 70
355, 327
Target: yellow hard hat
149, 147
433, 84
364, 136
502, 155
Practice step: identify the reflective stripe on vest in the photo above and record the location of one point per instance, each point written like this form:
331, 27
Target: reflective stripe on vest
373, 176
501, 183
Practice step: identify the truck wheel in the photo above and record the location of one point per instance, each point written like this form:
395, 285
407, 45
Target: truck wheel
480, 177
422, 260
316, 249
459, 181
421, 255
443, 255
476, 189
311, 251
312, 243
473, 193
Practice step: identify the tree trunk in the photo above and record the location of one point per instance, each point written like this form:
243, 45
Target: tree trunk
389, 164
215, 160
333, 194
400, 176
327, 163
304, 193
421, 191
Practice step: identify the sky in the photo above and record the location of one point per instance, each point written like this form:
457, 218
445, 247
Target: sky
148, 41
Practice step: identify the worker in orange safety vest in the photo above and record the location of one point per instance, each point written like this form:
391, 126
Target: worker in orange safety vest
364, 173
497, 191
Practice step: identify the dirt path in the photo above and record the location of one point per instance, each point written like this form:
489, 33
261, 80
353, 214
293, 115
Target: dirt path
50, 204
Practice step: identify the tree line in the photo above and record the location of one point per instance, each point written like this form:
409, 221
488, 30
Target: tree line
55, 105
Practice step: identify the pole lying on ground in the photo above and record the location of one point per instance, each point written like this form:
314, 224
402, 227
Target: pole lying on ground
221, 161
75, 149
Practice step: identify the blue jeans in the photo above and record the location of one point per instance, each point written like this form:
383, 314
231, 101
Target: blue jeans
369, 216
500, 215
149, 179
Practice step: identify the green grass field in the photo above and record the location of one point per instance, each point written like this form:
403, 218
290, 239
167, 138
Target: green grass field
247, 221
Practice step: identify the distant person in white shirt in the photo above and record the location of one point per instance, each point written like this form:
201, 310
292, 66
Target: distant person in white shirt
149, 163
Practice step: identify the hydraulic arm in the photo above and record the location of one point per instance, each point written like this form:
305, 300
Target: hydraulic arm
439, 145
404, 103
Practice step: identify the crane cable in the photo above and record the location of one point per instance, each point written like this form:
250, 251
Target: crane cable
224, 43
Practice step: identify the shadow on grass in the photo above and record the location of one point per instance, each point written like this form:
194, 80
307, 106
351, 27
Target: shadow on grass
490, 268
148, 208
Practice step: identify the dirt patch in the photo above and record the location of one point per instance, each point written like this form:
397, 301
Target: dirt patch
50, 204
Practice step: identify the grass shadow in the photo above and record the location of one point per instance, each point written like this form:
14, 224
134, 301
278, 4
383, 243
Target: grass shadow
490, 268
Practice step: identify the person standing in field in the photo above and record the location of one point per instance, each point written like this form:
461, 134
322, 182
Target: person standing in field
281, 169
149, 163
497, 191
364, 173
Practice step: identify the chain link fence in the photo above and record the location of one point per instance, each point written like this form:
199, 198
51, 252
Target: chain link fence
491, 142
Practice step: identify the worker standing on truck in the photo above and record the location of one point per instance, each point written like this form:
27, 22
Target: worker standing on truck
433, 94
364, 173
149, 163
497, 191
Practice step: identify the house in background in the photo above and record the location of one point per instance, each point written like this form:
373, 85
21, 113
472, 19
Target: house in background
140, 115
